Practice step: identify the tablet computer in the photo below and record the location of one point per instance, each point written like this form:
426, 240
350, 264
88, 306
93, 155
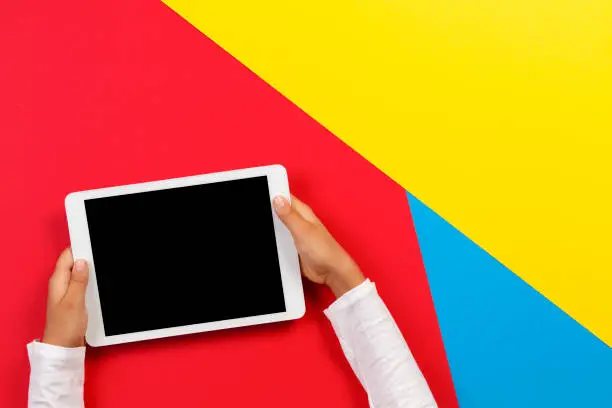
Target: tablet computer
185, 255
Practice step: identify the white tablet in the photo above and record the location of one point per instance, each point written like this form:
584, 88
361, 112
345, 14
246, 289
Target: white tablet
185, 255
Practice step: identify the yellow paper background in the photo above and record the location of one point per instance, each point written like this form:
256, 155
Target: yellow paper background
497, 114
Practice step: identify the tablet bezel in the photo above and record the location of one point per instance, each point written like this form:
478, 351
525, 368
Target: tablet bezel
288, 259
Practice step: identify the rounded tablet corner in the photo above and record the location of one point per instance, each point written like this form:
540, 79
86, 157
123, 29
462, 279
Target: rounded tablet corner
280, 168
301, 312
70, 198
92, 342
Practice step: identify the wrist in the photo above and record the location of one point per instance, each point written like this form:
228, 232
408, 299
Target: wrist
63, 341
345, 279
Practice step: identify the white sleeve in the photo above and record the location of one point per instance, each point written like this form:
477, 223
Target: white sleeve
57, 375
377, 351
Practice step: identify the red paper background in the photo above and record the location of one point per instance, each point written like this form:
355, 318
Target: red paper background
95, 94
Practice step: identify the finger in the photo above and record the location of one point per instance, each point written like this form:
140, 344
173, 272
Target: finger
293, 220
304, 210
58, 283
78, 283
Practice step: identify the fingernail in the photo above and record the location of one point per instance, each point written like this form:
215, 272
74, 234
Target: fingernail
79, 265
279, 202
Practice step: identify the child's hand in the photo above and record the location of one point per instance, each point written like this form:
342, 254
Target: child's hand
322, 259
66, 314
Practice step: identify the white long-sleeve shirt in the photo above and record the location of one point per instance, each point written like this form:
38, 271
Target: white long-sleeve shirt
370, 339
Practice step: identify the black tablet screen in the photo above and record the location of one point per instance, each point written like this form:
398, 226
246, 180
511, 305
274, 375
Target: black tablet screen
185, 255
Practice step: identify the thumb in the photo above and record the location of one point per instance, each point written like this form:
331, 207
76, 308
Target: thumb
79, 277
58, 283
293, 220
